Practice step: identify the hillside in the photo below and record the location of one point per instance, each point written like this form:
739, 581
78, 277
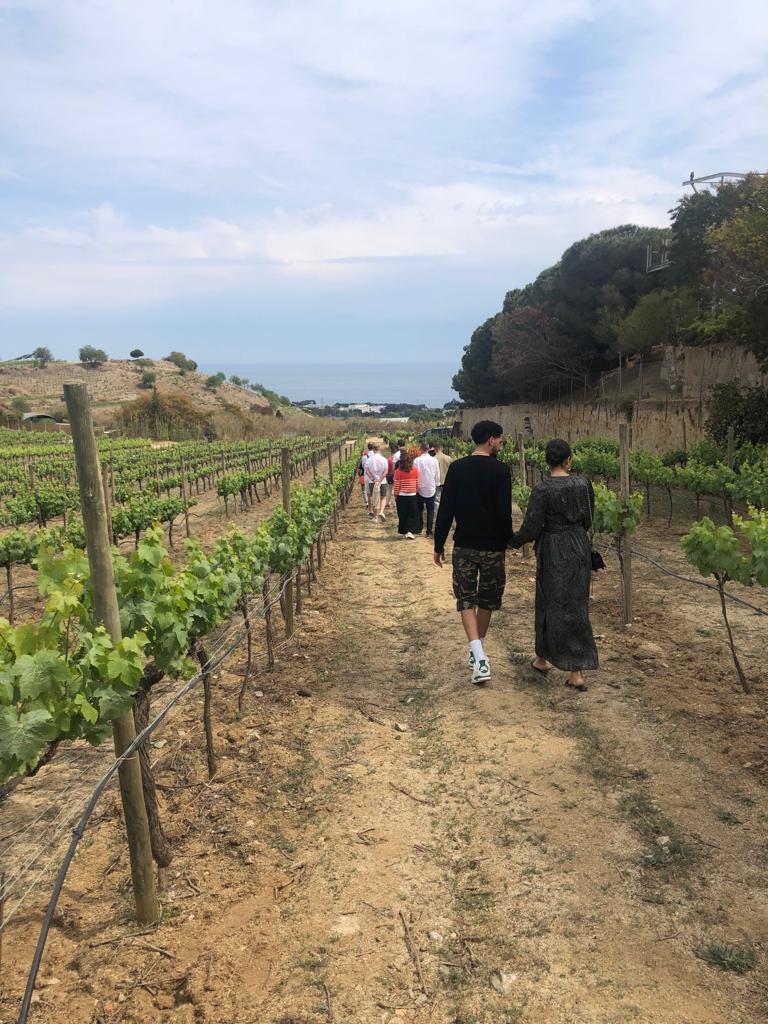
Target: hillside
114, 384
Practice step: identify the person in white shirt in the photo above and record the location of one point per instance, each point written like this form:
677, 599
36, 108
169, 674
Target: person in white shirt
363, 459
429, 481
376, 483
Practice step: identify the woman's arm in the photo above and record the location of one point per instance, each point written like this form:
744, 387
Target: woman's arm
535, 516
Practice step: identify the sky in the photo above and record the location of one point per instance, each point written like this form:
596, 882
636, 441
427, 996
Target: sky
342, 180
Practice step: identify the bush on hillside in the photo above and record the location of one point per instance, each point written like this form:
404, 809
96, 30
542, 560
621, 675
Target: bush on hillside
92, 356
744, 408
183, 362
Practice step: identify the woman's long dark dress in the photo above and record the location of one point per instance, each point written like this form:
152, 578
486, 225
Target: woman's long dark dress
557, 519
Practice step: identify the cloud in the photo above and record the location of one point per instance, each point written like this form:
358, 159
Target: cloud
158, 150
100, 256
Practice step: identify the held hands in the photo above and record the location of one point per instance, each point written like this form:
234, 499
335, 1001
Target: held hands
439, 559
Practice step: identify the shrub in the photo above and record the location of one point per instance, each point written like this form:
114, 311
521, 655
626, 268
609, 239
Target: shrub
93, 356
183, 362
147, 379
743, 408
20, 405
213, 382
42, 356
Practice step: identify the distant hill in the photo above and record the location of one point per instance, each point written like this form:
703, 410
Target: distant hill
114, 384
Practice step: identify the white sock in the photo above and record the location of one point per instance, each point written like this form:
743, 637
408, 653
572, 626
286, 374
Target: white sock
476, 646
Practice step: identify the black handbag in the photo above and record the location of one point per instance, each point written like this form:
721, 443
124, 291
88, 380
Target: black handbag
598, 562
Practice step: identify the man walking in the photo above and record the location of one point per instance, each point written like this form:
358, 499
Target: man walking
376, 482
477, 494
443, 461
429, 479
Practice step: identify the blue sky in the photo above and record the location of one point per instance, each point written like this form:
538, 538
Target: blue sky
270, 180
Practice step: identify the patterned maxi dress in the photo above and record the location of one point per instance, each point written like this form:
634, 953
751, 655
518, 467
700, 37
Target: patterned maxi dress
557, 520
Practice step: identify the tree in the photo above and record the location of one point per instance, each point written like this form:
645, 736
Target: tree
42, 356
237, 381
531, 351
213, 382
147, 379
183, 362
692, 218
595, 277
93, 356
659, 318
738, 269
20, 405
136, 353
743, 408
476, 382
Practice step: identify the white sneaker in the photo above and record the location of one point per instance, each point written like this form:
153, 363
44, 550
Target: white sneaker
410, 536
382, 516
481, 673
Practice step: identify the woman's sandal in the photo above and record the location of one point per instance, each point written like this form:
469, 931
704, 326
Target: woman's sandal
541, 671
581, 687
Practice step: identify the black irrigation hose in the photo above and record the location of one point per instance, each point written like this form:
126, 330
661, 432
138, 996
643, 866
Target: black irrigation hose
79, 829
691, 579
699, 583
101, 785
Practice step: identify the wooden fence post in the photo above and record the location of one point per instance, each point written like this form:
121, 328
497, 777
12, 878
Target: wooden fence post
285, 458
625, 544
523, 480
107, 612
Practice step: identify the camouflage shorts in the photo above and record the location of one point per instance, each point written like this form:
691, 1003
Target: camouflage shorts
478, 578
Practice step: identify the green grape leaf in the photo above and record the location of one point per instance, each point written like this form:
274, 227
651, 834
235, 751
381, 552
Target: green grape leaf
23, 736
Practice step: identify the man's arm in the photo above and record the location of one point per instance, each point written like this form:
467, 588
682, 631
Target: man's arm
505, 504
445, 513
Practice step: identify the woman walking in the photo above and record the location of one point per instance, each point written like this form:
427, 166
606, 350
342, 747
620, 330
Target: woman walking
558, 518
406, 498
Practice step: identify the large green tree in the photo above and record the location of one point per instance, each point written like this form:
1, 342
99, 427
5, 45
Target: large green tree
605, 268
476, 382
738, 270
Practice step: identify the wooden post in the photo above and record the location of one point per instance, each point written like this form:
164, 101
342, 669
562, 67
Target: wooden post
285, 459
107, 612
314, 467
731, 447
330, 463
624, 543
107, 505
523, 480
183, 470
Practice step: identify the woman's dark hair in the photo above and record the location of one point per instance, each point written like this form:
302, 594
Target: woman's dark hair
405, 462
485, 429
556, 452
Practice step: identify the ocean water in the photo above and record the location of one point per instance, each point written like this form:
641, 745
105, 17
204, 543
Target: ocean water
427, 383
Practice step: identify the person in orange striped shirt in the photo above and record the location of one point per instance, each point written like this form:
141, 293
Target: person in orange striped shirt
406, 499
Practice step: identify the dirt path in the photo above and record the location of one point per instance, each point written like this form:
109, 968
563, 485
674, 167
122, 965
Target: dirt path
396, 843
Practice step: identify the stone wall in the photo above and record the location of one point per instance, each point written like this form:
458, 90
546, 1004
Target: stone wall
704, 367
658, 425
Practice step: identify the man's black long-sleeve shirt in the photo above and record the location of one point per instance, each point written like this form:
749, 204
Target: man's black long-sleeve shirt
478, 494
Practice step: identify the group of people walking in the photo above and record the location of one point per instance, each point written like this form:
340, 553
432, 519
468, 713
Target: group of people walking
475, 494
416, 481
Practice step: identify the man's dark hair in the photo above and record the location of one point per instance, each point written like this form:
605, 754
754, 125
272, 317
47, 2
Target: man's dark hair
371, 446
556, 452
484, 430
423, 446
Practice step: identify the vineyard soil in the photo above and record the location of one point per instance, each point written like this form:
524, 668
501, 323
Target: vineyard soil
385, 842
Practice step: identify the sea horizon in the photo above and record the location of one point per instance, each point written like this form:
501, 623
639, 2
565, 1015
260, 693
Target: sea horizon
414, 383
